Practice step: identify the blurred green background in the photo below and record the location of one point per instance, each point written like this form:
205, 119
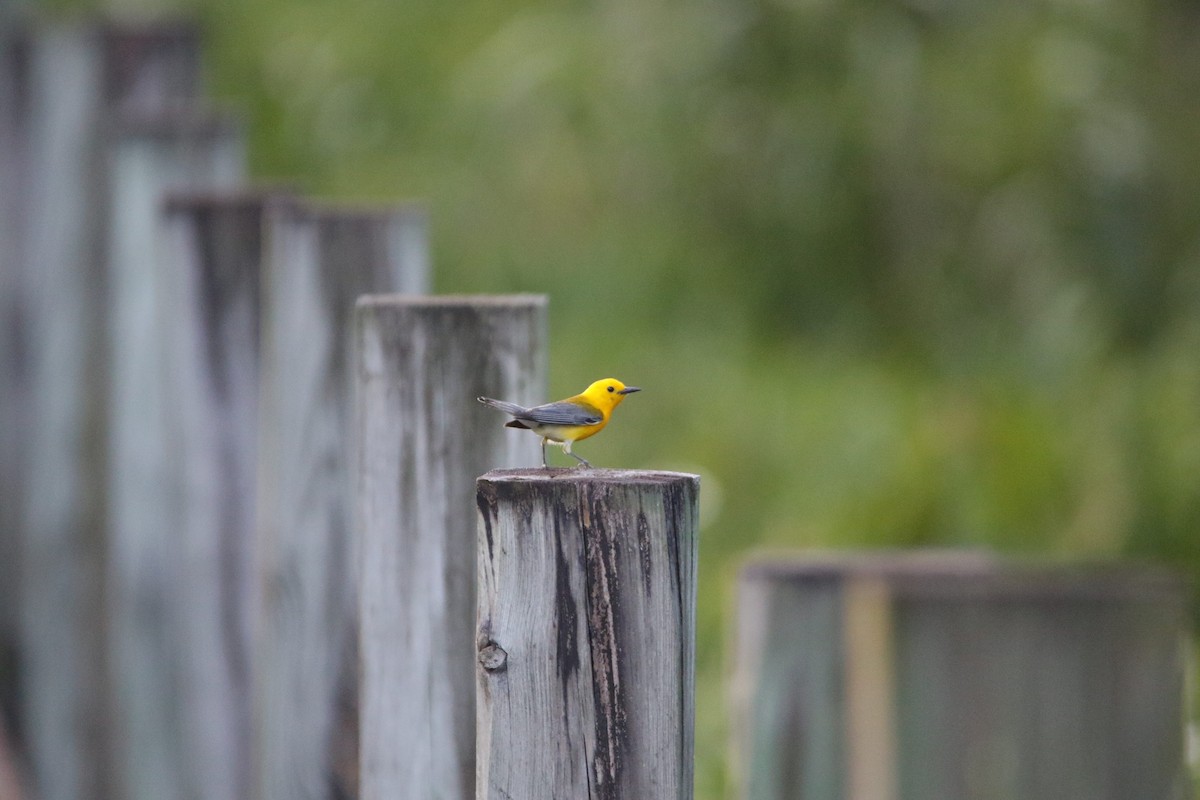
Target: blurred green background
892, 274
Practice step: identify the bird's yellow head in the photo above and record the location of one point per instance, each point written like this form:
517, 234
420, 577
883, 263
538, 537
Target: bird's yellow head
608, 393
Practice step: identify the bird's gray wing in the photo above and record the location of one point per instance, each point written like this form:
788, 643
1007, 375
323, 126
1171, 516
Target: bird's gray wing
562, 413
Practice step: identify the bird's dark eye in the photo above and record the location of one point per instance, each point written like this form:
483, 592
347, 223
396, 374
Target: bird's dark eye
611, 389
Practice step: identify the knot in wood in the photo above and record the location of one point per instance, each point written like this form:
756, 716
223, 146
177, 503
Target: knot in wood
493, 657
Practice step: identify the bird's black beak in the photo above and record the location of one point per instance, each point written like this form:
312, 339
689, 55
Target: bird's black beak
630, 390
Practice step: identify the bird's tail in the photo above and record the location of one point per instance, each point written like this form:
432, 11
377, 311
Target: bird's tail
507, 408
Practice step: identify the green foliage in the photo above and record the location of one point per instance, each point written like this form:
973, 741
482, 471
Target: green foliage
892, 273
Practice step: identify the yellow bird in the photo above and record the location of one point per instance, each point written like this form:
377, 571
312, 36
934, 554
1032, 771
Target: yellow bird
567, 421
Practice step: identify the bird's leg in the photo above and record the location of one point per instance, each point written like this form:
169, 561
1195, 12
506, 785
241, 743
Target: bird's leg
567, 449
544, 453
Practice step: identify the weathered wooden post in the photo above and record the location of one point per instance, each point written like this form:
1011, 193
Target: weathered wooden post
423, 439
911, 677
585, 643
214, 297
149, 157
73, 84
61, 548
152, 67
14, 406
320, 261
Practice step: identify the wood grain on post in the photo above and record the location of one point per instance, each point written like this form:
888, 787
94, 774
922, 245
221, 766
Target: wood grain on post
585, 638
73, 82
320, 261
423, 439
959, 676
213, 405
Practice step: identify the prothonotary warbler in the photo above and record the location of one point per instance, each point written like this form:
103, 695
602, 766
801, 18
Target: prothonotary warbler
567, 421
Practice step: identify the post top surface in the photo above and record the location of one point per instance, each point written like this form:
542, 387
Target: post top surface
953, 572
587, 475
251, 198
165, 29
180, 120
451, 300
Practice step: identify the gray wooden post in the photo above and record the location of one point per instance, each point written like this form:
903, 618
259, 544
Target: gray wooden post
61, 550
912, 677
74, 81
150, 156
586, 634
212, 401
307, 665
423, 439
151, 67
14, 410
14, 422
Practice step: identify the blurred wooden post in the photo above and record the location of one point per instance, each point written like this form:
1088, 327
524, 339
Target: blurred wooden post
150, 156
61, 553
73, 83
152, 67
423, 439
307, 667
586, 634
14, 410
948, 675
214, 299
